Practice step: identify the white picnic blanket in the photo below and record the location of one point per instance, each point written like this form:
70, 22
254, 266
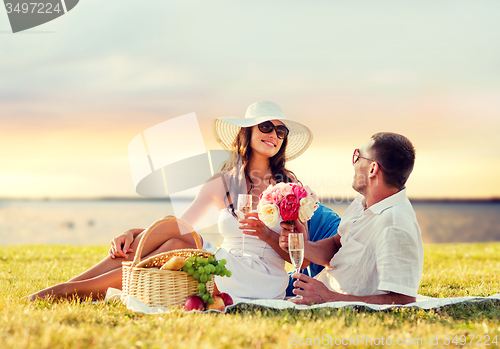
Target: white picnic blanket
422, 302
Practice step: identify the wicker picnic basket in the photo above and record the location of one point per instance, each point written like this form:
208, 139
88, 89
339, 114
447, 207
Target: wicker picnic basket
154, 287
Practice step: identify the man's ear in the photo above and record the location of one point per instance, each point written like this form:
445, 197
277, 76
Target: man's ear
374, 170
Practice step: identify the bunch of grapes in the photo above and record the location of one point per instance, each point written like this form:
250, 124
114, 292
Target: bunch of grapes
202, 270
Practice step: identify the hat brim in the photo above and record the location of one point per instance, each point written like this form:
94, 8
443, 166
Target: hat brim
300, 137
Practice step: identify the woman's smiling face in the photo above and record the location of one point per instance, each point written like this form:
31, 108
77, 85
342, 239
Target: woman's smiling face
267, 144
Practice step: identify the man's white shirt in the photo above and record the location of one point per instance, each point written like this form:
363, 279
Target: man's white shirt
381, 249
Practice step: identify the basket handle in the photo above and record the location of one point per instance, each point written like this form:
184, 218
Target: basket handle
197, 239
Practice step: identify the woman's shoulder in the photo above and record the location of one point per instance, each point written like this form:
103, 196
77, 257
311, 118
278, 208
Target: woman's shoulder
224, 175
216, 184
222, 179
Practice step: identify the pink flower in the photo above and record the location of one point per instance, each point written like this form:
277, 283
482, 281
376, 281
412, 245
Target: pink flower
290, 200
299, 191
266, 198
284, 188
289, 208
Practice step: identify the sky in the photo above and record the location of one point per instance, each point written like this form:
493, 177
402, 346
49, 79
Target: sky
75, 91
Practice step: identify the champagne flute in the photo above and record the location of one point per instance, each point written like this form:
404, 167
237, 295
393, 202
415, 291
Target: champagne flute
296, 251
244, 207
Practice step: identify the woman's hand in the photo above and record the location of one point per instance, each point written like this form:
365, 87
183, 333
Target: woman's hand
252, 225
298, 227
120, 246
256, 227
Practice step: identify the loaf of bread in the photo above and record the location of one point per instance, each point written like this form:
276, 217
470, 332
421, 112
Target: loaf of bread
174, 263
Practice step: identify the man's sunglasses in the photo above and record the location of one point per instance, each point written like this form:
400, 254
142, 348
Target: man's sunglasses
356, 157
268, 127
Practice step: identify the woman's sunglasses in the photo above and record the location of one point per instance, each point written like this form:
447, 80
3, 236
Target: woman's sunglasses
268, 127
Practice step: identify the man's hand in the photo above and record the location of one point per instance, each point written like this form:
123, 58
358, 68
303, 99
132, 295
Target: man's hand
311, 290
120, 246
314, 291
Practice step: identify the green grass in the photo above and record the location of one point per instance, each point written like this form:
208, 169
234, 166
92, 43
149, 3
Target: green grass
450, 270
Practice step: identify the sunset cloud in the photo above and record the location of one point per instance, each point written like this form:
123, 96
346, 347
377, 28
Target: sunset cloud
75, 91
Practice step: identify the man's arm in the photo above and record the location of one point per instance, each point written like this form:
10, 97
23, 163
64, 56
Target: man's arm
314, 291
320, 252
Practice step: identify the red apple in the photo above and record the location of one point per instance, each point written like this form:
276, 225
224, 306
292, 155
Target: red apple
226, 298
218, 304
194, 303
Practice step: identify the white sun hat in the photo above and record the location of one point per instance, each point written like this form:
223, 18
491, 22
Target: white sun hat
300, 137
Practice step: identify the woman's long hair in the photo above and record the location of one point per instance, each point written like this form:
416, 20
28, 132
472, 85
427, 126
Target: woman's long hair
237, 167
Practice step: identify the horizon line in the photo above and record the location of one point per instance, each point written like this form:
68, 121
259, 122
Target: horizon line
338, 200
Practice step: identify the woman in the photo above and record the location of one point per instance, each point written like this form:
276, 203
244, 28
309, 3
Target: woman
262, 142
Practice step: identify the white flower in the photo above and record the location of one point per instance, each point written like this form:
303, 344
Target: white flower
310, 192
262, 203
307, 207
269, 214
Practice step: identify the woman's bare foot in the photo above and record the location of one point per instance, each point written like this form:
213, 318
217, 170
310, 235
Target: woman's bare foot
50, 293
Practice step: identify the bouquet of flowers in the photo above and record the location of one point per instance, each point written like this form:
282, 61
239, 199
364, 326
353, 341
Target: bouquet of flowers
288, 200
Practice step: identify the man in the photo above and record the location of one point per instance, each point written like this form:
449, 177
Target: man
377, 255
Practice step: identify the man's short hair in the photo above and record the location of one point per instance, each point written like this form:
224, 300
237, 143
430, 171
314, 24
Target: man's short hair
396, 155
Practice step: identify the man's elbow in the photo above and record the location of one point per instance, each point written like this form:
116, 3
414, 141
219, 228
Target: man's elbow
401, 299
409, 300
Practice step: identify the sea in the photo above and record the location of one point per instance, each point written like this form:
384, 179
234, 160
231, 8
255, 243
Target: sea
96, 222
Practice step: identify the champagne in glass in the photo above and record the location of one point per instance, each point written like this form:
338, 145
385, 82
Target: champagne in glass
296, 251
244, 207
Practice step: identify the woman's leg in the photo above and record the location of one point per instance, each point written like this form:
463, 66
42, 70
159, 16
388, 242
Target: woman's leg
105, 275
158, 237
95, 287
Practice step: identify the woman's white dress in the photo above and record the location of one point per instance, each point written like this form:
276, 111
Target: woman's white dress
262, 274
